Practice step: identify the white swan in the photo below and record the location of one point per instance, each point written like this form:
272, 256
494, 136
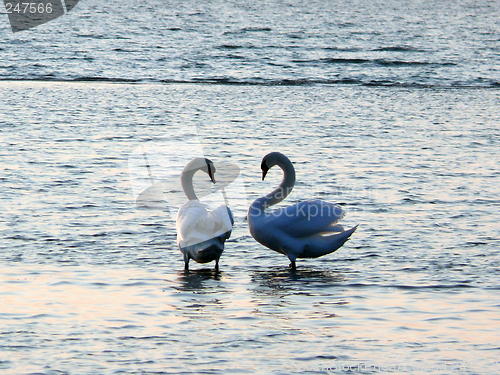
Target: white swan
304, 230
201, 233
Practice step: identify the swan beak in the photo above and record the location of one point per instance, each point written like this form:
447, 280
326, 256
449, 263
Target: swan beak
264, 168
264, 172
211, 175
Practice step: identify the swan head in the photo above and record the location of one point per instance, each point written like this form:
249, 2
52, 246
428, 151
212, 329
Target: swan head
201, 164
270, 160
209, 169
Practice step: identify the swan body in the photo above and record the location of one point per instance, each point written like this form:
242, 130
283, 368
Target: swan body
307, 229
201, 233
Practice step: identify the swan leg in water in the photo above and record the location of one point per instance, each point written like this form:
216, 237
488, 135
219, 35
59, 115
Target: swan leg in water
205, 251
307, 229
201, 233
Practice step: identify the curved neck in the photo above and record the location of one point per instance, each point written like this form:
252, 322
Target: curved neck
187, 178
187, 184
282, 191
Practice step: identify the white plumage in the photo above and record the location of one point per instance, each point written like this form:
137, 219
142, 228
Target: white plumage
201, 233
307, 229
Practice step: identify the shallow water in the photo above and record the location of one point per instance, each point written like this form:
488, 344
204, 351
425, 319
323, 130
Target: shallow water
91, 283
389, 109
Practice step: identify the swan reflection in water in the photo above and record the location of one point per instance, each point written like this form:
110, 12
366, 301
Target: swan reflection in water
298, 294
199, 280
290, 279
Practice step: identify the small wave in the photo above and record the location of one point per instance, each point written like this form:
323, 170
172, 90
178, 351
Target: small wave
398, 49
135, 283
41, 316
229, 46
334, 60
122, 50
237, 57
475, 243
128, 326
318, 357
411, 287
443, 318
255, 28
61, 283
251, 29
104, 79
21, 237
382, 62
437, 286
342, 49
408, 63
92, 36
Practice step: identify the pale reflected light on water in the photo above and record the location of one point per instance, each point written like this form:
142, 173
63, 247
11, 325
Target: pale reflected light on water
277, 319
387, 108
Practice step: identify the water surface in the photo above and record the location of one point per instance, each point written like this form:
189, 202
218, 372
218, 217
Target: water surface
389, 109
91, 283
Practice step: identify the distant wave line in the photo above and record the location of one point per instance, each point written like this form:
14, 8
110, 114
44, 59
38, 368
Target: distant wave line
383, 62
257, 81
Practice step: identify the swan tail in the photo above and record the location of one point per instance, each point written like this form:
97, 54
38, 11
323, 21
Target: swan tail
321, 245
204, 252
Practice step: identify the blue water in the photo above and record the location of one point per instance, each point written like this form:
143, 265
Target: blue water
389, 109
415, 43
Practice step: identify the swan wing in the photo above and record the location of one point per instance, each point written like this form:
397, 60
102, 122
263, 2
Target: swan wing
194, 222
308, 218
223, 219
318, 245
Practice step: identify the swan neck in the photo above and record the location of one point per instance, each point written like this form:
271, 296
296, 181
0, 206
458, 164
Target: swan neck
187, 183
283, 189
